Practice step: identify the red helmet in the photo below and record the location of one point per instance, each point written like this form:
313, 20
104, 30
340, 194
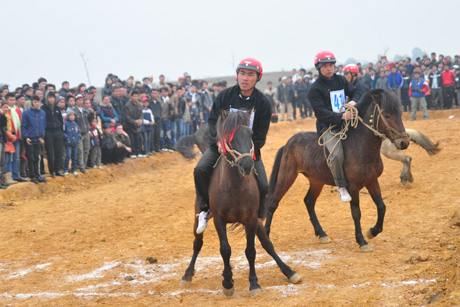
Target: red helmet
253, 64
354, 69
324, 57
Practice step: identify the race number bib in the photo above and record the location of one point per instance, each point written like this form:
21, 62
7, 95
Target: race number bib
337, 100
251, 120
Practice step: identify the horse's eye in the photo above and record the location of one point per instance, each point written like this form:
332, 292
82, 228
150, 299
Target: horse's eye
387, 116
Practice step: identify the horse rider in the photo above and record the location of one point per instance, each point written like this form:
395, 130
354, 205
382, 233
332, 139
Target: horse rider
327, 96
350, 72
243, 97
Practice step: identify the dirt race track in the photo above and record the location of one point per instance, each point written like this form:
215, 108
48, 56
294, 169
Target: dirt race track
84, 241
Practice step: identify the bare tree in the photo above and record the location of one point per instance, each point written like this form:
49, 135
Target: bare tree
232, 62
85, 60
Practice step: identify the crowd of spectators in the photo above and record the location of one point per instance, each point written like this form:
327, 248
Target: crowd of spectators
431, 83
74, 131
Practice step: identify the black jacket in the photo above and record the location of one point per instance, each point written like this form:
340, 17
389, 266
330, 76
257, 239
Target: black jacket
155, 106
117, 104
231, 98
107, 143
320, 99
3, 129
54, 121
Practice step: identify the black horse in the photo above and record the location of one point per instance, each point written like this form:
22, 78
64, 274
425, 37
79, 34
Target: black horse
234, 198
201, 138
380, 114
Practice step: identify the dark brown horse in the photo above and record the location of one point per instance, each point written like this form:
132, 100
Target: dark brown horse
380, 112
234, 198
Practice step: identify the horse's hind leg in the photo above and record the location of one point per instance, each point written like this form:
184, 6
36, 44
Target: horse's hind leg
406, 174
268, 246
225, 251
197, 244
390, 151
374, 191
310, 201
286, 178
250, 251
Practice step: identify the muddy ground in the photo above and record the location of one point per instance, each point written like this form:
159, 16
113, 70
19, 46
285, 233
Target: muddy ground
84, 241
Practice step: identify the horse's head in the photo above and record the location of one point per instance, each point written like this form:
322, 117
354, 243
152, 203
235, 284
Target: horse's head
235, 137
385, 117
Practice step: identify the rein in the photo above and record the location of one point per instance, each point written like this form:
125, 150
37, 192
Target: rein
342, 134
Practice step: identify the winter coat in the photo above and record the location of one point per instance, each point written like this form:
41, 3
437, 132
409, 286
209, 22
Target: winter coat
3, 129
107, 142
72, 133
108, 113
395, 80
9, 146
81, 117
148, 118
33, 124
418, 88
132, 112
231, 98
156, 106
17, 130
285, 93
320, 99
94, 137
118, 104
54, 121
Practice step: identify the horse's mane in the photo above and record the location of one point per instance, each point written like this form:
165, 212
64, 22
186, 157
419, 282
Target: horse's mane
387, 101
228, 121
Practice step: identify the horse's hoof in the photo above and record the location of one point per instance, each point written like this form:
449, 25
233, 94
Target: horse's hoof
369, 235
324, 240
185, 283
228, 292
366, 248
255, 292
295, 278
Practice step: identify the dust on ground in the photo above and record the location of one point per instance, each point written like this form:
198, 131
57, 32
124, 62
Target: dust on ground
85, 241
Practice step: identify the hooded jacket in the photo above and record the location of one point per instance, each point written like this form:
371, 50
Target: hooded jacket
54, 121
72, 133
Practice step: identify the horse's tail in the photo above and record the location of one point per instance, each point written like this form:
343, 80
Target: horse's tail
422, 140
185, 146
273, 181
275, 171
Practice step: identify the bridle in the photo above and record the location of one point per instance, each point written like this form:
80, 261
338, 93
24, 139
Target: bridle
394, 134
227, 148
373, 126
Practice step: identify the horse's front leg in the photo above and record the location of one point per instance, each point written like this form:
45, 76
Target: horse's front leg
225, 251
356, 214
250, 229
374, 191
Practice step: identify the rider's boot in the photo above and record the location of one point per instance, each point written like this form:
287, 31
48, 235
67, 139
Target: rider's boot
344, 195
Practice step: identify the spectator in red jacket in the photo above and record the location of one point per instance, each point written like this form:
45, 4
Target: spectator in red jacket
448, 89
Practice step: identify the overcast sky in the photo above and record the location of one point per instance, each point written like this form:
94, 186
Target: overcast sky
150, 37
